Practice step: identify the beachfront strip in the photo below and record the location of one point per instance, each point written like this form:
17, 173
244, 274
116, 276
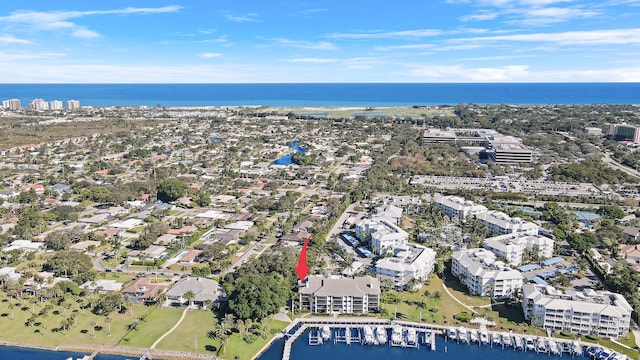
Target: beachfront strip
370, 331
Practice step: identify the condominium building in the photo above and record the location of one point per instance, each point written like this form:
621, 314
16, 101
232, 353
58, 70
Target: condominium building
382, 234
511, 247
625, 132
603, 313
38, 104
11, 104
322, 295
409, 261
500, 223
73, 104
55, 105
458, 208
478, 270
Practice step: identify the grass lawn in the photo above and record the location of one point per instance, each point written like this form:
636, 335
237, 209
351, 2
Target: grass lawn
158, 322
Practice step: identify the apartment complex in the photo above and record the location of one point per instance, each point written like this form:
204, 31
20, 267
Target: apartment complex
625, 132
382, 234
73, 104
500, 223
478, 270
409, 261
458, 208
512, 247
39, 104
586, 312
322, 295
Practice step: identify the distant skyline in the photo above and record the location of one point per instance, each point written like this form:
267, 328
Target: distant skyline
204, 41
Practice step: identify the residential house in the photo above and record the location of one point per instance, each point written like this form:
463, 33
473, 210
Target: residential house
204, 290
143, 290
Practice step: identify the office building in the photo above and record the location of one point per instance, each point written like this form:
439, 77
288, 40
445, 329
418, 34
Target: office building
585, 312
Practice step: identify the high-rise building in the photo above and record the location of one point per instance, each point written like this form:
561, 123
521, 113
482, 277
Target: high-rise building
625, 132
11, 104
38, 104
55, 105
73, 104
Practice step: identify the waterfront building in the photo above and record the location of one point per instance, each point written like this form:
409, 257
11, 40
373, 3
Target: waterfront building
11, 104
500, 223
409, 261
458, 208
482, 275
511, 247
383, 235
55, 105
604, 313
322, 295
73, 104
625, 132
38, 104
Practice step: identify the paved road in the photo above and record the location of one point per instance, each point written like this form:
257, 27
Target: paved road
242, 259
616, 165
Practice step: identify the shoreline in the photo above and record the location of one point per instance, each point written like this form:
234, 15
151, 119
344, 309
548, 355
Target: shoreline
115, 350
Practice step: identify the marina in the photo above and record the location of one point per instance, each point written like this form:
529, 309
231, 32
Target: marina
400, 334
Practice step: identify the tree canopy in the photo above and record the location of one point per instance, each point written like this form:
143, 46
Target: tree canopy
171, 189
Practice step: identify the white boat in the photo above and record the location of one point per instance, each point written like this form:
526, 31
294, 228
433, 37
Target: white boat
541, 346
453, 333
553, 347
412, 338
518, 343
396, 335
326, 333
495, 338
606, 354
592, 351
506, 338
381, 335
368, 335
462, 334
576, 349
484, 336
620, 357
473, 335
529, 343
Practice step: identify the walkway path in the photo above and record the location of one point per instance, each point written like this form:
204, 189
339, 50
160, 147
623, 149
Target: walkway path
456, 299
184, 313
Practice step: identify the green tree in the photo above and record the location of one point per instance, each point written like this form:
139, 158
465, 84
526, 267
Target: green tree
171, 189
71, 264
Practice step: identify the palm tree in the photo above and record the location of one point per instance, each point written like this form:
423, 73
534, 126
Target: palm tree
189, 296
222, 332
108, 319
11, 306
161, 298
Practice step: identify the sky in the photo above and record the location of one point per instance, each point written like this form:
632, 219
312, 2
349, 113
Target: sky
304, 41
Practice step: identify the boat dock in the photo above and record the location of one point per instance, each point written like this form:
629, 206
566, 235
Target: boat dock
410, 334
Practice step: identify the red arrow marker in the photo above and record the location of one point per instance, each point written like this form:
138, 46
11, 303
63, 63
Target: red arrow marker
302, 269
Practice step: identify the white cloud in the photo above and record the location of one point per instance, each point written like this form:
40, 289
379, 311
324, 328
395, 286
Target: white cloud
209, 55
410, 34
250, 17
589, 37
481, 15
312, 45
60, 20
10, 39
454, 73
405, 47
313, 60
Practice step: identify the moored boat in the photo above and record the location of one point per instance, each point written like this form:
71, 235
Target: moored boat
553, 347
462, 334
495, 339
381, 335
529, 343
473, 335
453, 333
517, 342
412, 337
541, 346
326, 332
396, 335
505, 338
484, 336
368, 335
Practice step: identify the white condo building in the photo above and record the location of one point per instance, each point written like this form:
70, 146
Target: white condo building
322, 295
511, 247
11, 104
382, 234
38, 104
409, 261
55, 105
73, 104
500, 223
478, 270
458, 208
586, 312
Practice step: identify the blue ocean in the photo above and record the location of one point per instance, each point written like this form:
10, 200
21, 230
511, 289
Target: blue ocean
296, 95
445, 350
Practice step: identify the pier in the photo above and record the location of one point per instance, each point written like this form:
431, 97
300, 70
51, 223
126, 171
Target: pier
410, 334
